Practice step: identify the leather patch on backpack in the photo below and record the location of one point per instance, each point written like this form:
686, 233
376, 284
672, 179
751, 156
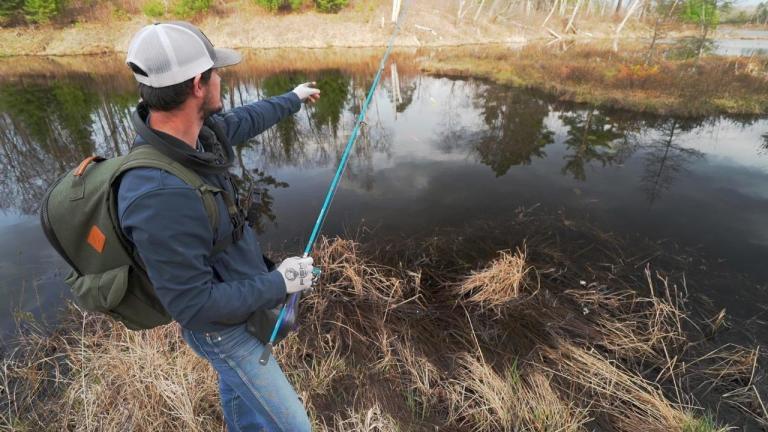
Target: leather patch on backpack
96, 239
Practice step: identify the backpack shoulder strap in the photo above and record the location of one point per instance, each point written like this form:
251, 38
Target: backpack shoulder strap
145, 156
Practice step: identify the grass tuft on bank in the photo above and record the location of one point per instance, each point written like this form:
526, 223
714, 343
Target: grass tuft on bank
630, 79
518, 343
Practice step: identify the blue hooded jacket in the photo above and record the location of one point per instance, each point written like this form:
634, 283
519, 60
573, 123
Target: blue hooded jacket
165, 220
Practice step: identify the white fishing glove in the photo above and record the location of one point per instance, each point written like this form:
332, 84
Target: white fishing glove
307, 92
297, 273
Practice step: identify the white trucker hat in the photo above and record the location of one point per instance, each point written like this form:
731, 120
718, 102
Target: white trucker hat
165, 54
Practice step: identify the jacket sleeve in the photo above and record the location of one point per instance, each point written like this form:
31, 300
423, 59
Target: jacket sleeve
247, 121
171, 232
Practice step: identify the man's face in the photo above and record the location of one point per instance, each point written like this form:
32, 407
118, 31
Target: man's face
212, 103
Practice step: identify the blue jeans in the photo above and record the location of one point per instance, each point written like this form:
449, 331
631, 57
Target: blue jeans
253, 397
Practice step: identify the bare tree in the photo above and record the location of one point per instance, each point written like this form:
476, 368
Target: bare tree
479, 9
573, 16
630, 11
551, 11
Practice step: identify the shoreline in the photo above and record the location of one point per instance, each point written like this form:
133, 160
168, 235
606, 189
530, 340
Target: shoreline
587, 73
413, 43
629, 80
423, 27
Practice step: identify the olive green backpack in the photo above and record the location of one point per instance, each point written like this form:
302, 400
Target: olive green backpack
78, 215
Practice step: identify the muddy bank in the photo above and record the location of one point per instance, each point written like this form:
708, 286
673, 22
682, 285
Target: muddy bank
545, 335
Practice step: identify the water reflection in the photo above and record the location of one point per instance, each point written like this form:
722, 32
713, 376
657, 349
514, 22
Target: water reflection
664, 159
432, 152
591, 138
335, 91
515, 130
47, 126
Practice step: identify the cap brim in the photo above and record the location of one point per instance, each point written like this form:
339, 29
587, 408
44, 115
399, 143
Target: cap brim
226, 57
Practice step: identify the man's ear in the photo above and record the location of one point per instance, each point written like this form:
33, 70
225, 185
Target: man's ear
197, 86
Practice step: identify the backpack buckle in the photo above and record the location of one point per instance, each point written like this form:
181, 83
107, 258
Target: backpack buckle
238, 226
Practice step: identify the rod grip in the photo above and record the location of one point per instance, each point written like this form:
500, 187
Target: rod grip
265, 355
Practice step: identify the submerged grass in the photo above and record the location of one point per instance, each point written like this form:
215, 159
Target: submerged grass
629, 79
522, 343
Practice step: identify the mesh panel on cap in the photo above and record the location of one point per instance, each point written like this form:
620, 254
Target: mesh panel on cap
154, 59
188, 48
203, 38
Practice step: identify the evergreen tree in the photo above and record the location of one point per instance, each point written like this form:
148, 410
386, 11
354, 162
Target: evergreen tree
330, 6
10, 8
41, 11
761, 14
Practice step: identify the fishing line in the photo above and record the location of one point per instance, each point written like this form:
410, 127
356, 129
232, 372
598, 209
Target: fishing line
293, 299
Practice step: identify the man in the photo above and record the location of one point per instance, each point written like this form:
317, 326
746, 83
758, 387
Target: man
209, 293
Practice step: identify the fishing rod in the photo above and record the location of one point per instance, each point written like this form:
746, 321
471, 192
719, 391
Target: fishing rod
289, 306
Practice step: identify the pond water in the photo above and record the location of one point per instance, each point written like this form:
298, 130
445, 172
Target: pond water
741, 42
730, 42
741, 47
435, 152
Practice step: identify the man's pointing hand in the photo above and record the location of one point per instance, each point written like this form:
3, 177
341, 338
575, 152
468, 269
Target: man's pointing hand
307, 92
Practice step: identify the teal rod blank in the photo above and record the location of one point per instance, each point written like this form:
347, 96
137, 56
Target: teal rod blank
290, 304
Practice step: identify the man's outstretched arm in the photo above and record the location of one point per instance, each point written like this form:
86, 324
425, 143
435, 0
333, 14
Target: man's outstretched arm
247, 121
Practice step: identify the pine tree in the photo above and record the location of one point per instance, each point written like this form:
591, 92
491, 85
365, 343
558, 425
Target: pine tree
9, 8
41, 11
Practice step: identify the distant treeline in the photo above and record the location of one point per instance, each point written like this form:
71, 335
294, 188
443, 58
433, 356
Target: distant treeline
19, 12
568, 16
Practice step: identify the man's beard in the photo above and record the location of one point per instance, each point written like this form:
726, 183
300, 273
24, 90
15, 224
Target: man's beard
211, 106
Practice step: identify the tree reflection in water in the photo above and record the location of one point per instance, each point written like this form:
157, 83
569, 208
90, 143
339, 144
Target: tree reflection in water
286, 130
46, 128
515, 128
516, 131
592, 137
49, 124
664, 160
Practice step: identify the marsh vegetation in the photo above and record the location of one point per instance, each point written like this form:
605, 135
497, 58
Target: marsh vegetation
537, 339
669, 80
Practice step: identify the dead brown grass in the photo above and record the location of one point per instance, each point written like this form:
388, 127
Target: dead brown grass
103, 377
503, 281
629, 401
510, 400
386, 348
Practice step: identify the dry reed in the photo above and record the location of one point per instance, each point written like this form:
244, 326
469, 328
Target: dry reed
500, 283
383, 348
